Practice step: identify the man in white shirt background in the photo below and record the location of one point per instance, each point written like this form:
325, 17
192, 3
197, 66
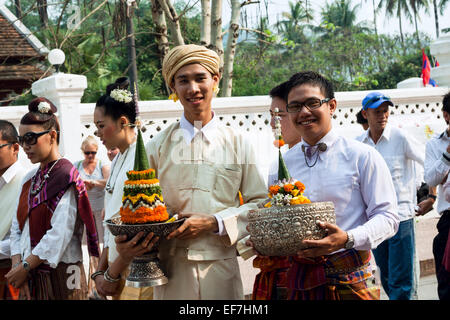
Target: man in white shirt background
437, 165
395, 256
11, 174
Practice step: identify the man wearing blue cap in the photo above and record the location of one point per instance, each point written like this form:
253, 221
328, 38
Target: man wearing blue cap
395, 256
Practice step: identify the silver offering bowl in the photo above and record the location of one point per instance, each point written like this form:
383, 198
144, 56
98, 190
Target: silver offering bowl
279, 231
145, 271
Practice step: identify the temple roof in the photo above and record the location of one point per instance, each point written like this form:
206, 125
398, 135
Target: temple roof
16, 40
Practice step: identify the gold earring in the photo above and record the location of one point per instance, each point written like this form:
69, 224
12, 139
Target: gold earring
173, 97
216, 90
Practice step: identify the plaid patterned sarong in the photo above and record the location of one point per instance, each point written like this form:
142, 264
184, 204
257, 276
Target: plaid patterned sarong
272, 279
342, 276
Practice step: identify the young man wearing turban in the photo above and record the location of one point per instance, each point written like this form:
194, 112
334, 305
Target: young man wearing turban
202, 165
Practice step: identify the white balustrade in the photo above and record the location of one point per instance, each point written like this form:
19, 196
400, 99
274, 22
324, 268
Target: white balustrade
440, 48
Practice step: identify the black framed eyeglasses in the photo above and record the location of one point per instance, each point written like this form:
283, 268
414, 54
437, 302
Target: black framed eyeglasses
310, 104
30, 138
6, 144
90, 152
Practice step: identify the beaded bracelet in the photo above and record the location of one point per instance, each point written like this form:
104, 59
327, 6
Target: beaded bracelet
109, 278
97, 273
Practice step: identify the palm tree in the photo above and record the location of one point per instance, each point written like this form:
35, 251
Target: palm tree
416, 5
342, 16
374, 16
397, 8
295, 20
438, 7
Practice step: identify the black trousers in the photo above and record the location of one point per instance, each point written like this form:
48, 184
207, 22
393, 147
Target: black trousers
439, 243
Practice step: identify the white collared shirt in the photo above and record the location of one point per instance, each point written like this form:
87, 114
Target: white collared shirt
357, 180
437, 167
399, 151
9, 174
6, 178
191, 130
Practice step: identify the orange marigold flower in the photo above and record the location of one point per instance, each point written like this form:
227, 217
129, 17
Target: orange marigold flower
274, 189
288, 187
300, 186
278, 143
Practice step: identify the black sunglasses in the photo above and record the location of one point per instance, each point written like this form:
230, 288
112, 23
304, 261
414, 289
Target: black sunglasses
6, 144
30, 138
90, 152
310, 104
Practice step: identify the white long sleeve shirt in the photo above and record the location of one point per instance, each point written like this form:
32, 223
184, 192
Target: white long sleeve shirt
437, 167
357, 180
61, 243
9, 184
400, 151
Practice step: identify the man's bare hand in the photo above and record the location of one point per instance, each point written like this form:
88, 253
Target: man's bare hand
425, 206
194, 225
335, 240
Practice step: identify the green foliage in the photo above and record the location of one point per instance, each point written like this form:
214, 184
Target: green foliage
349, 54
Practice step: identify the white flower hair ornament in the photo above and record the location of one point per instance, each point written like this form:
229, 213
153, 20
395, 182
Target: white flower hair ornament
44, 107
121, 95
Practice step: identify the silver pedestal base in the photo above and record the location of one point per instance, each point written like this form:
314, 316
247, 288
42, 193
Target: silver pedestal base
146, 283
145, 271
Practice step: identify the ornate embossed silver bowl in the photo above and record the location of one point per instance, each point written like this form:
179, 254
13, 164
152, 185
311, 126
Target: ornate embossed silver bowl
145, 271
279, 231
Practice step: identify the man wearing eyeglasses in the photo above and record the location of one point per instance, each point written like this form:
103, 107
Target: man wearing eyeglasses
395, 256
351, 175
11, 174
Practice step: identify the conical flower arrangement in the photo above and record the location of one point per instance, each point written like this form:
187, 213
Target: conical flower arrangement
287, 191
142, 200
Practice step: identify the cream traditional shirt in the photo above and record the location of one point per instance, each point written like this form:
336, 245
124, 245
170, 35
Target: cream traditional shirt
204, 174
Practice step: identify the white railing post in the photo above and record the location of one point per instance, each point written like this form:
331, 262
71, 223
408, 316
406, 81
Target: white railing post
65, 91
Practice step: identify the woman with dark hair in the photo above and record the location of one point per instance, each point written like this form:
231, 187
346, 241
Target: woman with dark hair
52, 207
114, 116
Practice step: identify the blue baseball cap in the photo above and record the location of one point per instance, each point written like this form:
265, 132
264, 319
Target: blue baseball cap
374, 99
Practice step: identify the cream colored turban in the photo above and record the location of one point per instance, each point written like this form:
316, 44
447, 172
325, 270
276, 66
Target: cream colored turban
183, 55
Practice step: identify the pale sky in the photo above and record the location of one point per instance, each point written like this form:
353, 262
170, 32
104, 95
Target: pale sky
385, 25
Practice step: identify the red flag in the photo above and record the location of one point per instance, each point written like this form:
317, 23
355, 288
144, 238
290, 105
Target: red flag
426, 69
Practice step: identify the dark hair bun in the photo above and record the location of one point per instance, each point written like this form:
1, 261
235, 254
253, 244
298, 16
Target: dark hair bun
33, 106
120, 83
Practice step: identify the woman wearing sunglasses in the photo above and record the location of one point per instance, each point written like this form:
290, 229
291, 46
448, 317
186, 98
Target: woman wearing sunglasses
52, 207
94, 174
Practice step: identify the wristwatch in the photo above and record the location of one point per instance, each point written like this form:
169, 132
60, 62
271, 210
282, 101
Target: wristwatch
26, 266
350, 241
